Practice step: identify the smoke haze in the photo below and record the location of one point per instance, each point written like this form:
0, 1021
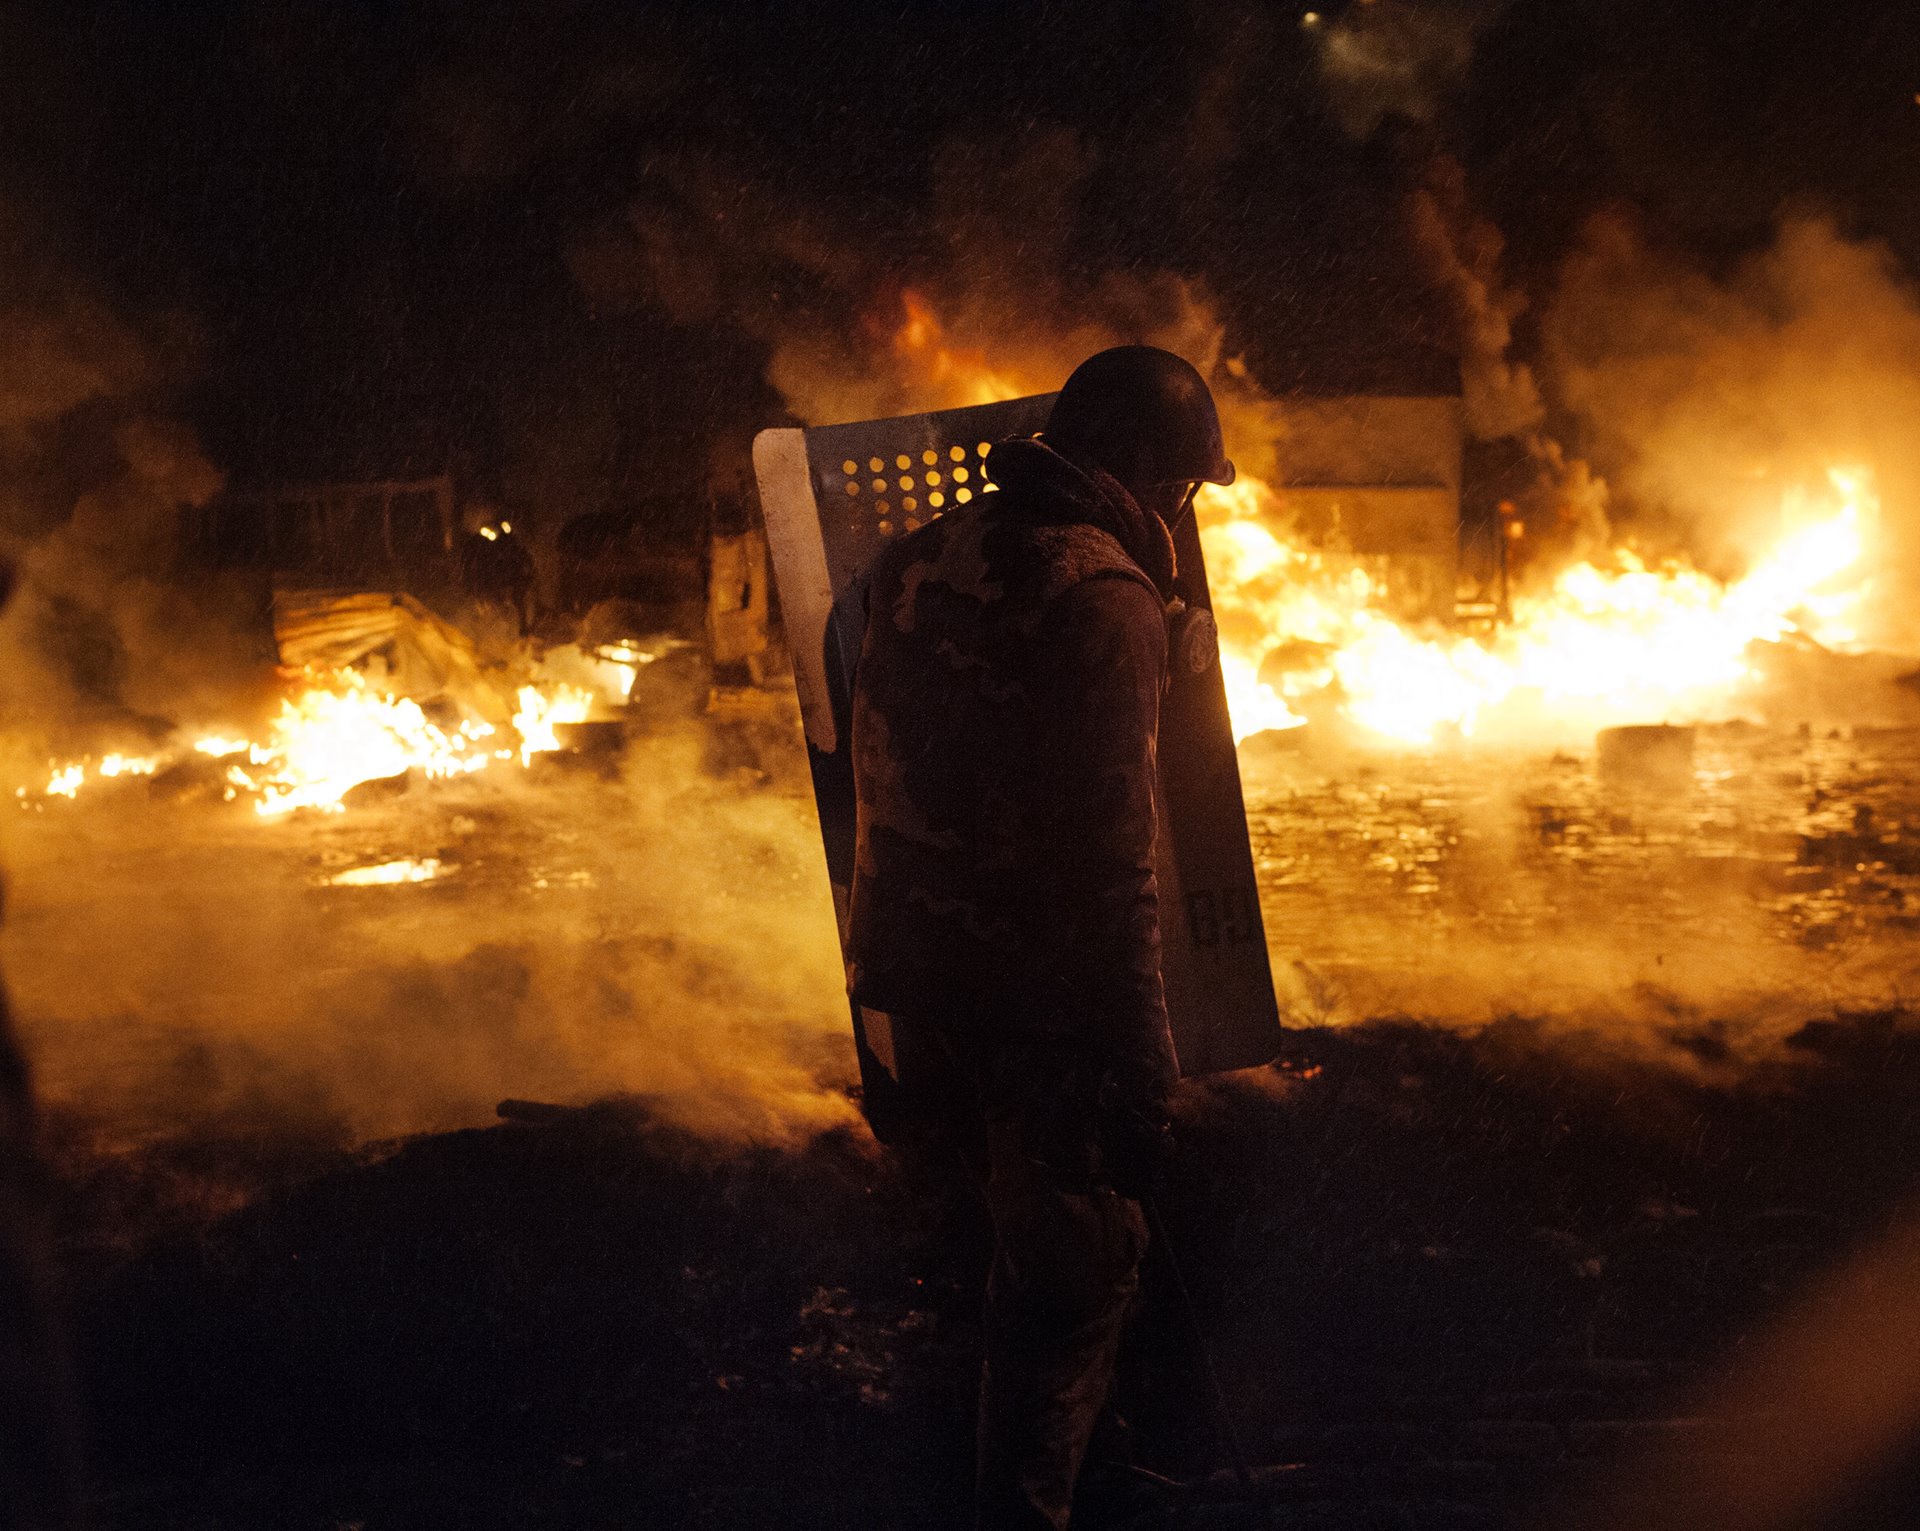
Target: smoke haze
1704, 398
186, 971
586, 279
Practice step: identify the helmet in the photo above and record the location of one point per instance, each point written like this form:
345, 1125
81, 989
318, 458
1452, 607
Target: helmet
1144, 415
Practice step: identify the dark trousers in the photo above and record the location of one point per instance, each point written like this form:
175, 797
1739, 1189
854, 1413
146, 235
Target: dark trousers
1066, 1266
1022, 1117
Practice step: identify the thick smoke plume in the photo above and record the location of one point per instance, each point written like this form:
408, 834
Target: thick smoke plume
1396, 58
1685, 408
992, 298
1707, 399
671, 939
182, 970
100, 640
1500, 394
666, 936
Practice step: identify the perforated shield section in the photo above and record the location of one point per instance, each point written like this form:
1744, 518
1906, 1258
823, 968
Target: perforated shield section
832, 496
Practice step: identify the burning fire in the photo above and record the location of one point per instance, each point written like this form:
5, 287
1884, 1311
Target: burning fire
67, 780
541, 715
1306, 632
1302, 629
387, 874
338, 731
959, 376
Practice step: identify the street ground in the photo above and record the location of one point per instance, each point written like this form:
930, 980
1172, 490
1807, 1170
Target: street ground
1594, 1089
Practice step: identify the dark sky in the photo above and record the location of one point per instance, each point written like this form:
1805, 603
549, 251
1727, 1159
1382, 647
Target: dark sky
358, 229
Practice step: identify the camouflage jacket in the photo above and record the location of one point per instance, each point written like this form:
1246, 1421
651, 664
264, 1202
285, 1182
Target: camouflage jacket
1005, 714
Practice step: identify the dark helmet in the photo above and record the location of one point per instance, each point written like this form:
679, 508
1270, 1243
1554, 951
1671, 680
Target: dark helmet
1144, 415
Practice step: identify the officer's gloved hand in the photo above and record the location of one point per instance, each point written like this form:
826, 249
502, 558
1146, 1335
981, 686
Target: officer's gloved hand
1136, 1146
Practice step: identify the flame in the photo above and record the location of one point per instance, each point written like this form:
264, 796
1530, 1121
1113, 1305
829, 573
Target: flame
387, 874
541, 714
1303, 627
67, 780
1306, 631
959, 377
338, 733
129, 765
616, 667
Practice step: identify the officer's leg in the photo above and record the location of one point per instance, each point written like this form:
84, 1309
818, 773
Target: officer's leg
1066, 1266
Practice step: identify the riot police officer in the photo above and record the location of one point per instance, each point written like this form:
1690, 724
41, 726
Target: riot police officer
1004, 907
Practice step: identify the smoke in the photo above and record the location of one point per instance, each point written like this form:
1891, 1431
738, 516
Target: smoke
1708, 399
670, 938
1009, 306
186, 973
987, 296
1405, 58
1687, 400
665, 935
1642, 913
94, 476
1705, 404
1464, 252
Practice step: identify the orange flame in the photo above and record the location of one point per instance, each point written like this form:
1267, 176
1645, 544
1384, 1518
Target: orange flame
1302, 626
336, 732
1305, 630
956, 377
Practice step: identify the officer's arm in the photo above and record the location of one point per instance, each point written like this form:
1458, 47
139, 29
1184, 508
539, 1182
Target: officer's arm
833, 773
1103, 656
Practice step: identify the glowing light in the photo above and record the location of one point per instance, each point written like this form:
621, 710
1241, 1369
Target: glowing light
67, 780
338, 733
1307, 632
921, 345
388, 873
540, 717
1303, 629
617, 666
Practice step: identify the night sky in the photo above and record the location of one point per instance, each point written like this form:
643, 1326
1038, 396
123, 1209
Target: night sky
373, 238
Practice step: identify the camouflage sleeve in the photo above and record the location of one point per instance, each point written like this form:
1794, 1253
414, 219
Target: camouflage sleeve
833, 789
1104, 656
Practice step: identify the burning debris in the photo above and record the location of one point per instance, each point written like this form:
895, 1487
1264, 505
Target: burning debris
1303, 630
1557, 734
1317, 622
339, 729
386, 874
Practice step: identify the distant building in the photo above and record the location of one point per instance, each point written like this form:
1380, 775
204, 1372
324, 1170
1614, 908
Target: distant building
1378, 476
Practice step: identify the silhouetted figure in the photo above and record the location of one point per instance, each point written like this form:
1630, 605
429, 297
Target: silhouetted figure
496, 567
1005, 719
39, 1460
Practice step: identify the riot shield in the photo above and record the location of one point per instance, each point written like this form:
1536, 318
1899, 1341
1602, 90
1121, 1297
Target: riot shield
832, 496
